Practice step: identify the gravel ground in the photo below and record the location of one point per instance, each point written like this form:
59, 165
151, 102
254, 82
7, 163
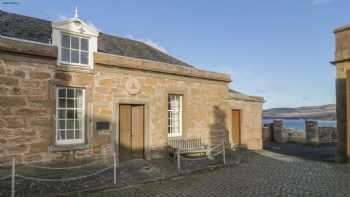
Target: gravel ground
321, 152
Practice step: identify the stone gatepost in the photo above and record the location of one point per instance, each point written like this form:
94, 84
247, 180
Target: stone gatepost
342, 62
312, 132
277, 132
267, 133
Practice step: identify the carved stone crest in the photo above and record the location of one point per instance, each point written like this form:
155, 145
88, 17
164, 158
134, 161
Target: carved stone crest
133, 86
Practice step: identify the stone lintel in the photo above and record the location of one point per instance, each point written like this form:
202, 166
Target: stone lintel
153, 66
27, 47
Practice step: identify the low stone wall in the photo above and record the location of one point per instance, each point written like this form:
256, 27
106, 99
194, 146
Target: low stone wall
275, 132
294, 135
328, 134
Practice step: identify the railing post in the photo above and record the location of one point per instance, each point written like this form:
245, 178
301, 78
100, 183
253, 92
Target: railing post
115, 168
13, 177
223, 153
178, 161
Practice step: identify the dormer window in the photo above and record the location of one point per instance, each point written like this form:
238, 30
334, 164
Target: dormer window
74, 50
76, 42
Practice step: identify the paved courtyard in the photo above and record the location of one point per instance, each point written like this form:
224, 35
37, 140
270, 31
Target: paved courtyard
261, 173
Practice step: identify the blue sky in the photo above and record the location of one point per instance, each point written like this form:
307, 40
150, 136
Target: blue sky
278, 49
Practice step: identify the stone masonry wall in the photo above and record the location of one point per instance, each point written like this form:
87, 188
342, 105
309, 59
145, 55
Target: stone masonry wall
27, 108
251, 122
313, 133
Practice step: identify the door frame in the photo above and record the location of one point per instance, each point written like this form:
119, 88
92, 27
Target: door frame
115, 122
240, 125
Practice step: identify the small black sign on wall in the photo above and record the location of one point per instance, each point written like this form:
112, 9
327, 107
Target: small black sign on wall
102, 125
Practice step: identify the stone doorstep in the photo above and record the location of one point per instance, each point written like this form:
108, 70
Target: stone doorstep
156, 180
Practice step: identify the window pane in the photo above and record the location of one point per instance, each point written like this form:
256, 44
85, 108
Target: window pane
75, 42
79, 114
70, 93
70, 103
79, 93
65, 55
62, 103
75, 56
84, 57
65, 41
77, 134
62, 92
61, 114
70, 134
84, 44
61, 124
62, 134
78, 103
70, 124
70, 114
77, 124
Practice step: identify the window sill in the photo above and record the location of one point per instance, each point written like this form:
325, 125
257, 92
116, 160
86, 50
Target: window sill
74, 68
70, 147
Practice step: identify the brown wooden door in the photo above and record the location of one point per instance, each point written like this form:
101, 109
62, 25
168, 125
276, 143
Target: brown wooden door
236, 126
137, 135
131, 131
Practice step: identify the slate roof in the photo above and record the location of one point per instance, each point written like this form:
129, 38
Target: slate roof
240, 96
39, 30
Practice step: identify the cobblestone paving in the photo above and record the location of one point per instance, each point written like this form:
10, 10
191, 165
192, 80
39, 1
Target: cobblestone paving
260, 174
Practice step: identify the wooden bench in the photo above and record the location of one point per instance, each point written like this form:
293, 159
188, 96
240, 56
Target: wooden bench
179, 146
186, 146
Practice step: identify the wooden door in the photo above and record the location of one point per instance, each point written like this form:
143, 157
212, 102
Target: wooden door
137, 135
236, 126
124, 132
131, 131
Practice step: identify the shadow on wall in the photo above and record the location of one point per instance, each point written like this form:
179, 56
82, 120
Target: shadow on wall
218, 131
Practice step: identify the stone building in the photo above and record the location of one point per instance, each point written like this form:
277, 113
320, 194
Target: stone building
68, 91
342, 63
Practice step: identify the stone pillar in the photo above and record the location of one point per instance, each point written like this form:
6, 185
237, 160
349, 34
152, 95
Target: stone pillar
267, 133
342, 62
277, 130
312, 133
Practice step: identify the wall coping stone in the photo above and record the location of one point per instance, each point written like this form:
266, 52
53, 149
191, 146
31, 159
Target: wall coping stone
27, 47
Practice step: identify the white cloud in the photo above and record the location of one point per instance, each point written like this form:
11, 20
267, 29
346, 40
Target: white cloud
318, 2
149, 42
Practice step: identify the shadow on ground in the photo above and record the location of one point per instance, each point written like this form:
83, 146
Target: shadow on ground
321, 152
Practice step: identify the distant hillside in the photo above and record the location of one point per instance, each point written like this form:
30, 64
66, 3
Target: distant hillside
323, 112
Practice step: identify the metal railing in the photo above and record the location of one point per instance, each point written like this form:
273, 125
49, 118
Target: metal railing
15, 174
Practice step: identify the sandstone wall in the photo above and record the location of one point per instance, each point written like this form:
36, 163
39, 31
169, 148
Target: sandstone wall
328, 134
203, 110
251, 122
27, 108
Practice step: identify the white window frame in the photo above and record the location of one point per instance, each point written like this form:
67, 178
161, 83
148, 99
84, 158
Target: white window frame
79, 50
172, 132
70, 141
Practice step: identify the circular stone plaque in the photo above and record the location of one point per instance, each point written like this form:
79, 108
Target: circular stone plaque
133, 86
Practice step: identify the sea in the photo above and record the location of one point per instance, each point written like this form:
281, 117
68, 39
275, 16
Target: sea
299, 124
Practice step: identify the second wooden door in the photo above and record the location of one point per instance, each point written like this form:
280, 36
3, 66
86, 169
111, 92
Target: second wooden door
236, 126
